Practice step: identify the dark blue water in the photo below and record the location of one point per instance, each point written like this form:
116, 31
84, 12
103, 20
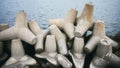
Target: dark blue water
42, 10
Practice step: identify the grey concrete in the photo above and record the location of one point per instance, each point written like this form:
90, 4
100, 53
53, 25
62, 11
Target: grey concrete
42, 10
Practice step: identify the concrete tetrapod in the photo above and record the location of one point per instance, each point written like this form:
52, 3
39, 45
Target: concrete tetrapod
98, 33
105, 52
98, 61
85, 21
60, 38
50, 50
58, 22
113, 43
39, 34
18, 55
66, 24
62, 60
76, 53
69, 21
19, 30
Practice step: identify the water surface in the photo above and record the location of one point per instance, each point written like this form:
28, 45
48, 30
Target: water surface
43, 10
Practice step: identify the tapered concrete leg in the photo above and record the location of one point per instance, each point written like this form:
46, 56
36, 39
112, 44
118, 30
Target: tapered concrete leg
103, 48
51, 57
62, 60
46, 32
77, 54
98, 34
78, 45
69, 21
40, 41
69, 30
16, 53
24, 62
50, 47
28, 36
19, 30
8, 34
99, 29
98, 60
104, 51
3, 26
107, 54
98, 63
58, 22
113, 59
18, 56
54, 30
78, 59
21, 24
10, 61
84, 22
34, 27
87, 12
68, 24
113, 43
40, 35
39, 44
91, 44
71, 16
82, 27
27, 60
50, 50
15, 32
17, 49
62, 47
21, 19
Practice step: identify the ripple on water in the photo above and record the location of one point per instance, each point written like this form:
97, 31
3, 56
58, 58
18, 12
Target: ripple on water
42, 10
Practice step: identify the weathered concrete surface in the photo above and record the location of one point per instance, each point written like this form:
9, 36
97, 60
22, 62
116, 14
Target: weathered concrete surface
42, 10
